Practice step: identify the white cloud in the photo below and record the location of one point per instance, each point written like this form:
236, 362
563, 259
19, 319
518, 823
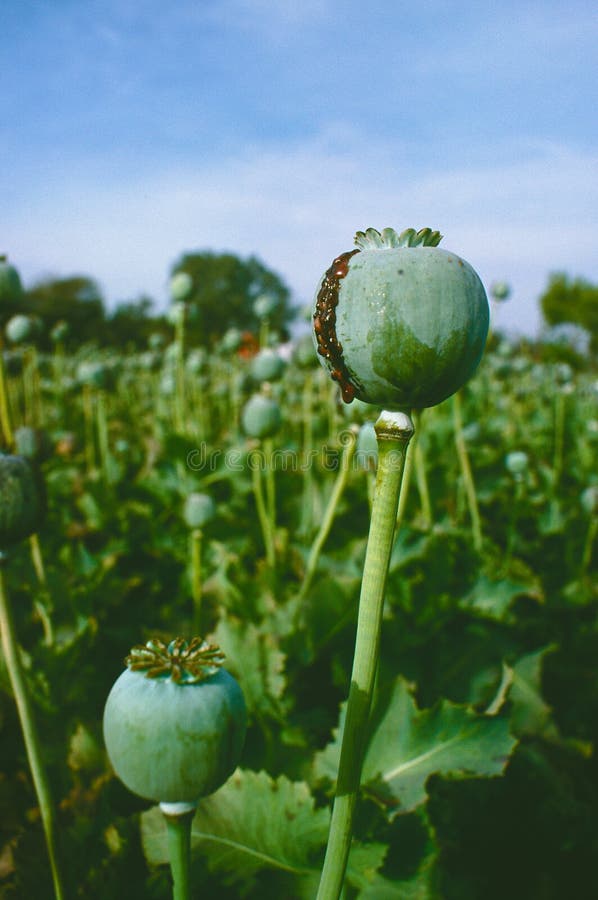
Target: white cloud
297, 207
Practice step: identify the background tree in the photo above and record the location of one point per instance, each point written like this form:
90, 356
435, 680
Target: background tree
131, 324
224, 290
76, 300
571, 300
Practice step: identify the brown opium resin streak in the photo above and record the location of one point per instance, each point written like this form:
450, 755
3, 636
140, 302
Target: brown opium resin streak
325, 324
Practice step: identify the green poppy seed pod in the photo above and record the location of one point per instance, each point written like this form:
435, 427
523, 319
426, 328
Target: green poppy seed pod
32, 443
517, 463
303, 353
167, 386
181, 286
231, 340
19, 328
150, 361
199, 509
398, 322
22, 500
156, 341
500, 290
177, 312
60, 332
174, 721
94, 374
196, 361
267, 366
10, 281
264, 305
589, 500
171, 354
261, 416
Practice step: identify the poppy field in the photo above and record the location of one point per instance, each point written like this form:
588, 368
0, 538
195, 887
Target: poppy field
171, 511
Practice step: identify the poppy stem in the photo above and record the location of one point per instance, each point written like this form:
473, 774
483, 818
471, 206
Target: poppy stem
394, 431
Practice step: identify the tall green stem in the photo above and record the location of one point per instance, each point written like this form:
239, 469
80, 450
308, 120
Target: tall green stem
103, 443
393, 430
6, 436
472, 501
262, 511
90, 453
559, 446
335, 496
18, 682
180, 403
178, 827
305, 525
270, 481
196, 581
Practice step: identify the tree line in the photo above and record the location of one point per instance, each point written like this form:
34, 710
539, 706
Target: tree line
222, 290
221, 293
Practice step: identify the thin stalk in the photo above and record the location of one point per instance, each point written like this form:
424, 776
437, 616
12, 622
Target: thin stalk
178, 827
10, 649
180, 403
103, 444
335, 496
307, 500
410, 462
558, 456
588, 546
270, 482
90, 455
422, 487
196, 581
264, 332
7, 435
468, 483
394, 431
40, 571
262, 512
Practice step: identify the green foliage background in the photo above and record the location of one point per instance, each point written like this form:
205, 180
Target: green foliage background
480, 779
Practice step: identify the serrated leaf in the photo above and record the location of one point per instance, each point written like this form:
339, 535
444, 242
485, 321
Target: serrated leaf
492, 599
530, 713
255, 822
409, 744
255, 659
419, 887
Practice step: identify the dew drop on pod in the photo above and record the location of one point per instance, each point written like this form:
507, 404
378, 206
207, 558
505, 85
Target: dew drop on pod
399, 322
175, 721
22, 500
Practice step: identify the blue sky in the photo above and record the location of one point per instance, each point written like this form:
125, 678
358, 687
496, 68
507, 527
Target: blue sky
131, 132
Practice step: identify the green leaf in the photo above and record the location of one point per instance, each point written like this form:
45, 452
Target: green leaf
252, 823
492, 599
255, 822
420, 886
408, 745
530, 713
254, 657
